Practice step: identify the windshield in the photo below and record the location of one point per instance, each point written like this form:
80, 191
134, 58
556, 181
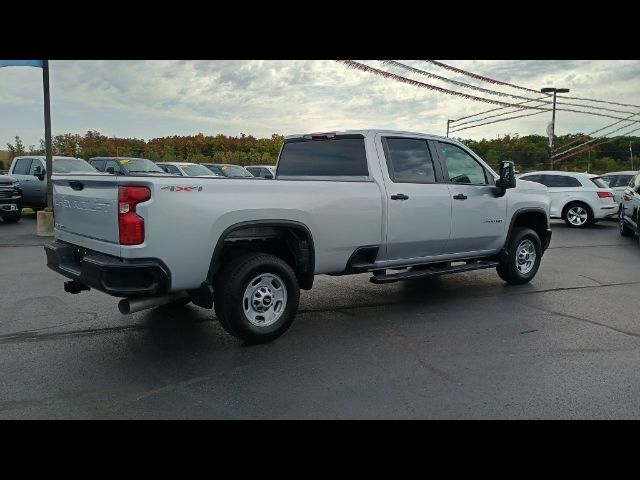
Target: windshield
234, 171
139, 165
215, 170
71, 165
195, 170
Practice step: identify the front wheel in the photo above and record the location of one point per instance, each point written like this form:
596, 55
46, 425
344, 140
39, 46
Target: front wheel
256, 297
522, 259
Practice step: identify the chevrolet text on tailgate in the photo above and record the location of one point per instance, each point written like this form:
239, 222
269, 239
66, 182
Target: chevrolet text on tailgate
342, 203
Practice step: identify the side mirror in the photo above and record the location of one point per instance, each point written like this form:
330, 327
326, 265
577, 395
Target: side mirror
111, 170
507, 176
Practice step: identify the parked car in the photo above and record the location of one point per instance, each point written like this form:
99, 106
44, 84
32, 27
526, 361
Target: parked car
618, 182
630, 208
409, 202
10, 199
185, 169
264, 171
31, 173
228, 170
580, 199
126, 166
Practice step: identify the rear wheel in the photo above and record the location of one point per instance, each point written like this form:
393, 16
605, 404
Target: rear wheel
256, 297
522, 260
578, 215
625, 231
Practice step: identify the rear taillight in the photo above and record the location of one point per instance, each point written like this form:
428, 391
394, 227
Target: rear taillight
626, 197
130, 224
605, 194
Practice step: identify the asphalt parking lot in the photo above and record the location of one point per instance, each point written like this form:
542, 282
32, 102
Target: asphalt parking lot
461, 346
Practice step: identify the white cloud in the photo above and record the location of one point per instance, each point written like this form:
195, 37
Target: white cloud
146, 99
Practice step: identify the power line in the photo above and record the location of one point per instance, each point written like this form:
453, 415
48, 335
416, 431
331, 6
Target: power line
593, 139
365, 68
498, 82
556, 160
416, 83
478, 77
490, 116
489, 91
494, 110
455, 82
496, 121
595, 131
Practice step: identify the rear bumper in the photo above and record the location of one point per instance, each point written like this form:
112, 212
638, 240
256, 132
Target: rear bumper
111, 275
607, 211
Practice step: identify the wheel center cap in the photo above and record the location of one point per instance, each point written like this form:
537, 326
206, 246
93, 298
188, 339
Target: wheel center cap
266, 301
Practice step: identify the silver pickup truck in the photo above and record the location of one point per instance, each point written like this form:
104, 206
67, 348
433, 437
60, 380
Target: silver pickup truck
399, 205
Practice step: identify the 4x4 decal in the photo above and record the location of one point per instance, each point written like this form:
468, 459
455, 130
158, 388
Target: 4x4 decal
181, 188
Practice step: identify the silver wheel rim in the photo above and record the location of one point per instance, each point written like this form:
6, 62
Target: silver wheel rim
264, 300
525, 256
577, 216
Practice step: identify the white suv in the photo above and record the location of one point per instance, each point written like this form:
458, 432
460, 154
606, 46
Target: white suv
618, 182
580, 199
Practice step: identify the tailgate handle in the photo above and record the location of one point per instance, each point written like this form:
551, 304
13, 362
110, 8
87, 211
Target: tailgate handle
76, 185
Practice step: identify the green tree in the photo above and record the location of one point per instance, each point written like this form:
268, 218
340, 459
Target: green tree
17, 149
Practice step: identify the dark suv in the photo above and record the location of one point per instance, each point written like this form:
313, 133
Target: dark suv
10, 199
126, 166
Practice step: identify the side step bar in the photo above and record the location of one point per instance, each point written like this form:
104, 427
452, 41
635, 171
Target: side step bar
431, 272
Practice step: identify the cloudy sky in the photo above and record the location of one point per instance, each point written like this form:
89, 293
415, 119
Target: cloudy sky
148, 99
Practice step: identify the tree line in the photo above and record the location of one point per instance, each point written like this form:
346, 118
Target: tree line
529, 152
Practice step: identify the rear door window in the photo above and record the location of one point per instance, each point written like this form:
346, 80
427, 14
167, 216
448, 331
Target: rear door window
409, 161
22, 166
35, 164
98, 165
559, 181
115, 165
341, 156
532, 178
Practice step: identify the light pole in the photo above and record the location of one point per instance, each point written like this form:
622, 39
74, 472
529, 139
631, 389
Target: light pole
448, 122
553, 118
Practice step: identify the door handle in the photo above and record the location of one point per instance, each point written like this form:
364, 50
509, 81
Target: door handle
400, 196
460, 196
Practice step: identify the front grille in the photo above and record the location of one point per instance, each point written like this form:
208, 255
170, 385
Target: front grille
6, 191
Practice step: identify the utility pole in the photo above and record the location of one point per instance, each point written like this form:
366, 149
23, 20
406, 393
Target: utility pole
631, 155
551, 131
448, 122
588, 160
47, 133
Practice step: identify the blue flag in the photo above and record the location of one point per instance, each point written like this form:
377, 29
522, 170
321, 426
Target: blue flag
21, 63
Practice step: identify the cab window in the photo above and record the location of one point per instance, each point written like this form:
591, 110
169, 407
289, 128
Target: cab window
461, 166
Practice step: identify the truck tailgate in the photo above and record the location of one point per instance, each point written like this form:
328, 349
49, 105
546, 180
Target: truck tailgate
86, 207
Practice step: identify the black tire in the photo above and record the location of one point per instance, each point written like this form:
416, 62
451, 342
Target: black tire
229, 290
508, 268
566, 213
11, 218
625, 230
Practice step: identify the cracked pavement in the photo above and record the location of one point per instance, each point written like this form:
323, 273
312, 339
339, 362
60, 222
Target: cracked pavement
567, 345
